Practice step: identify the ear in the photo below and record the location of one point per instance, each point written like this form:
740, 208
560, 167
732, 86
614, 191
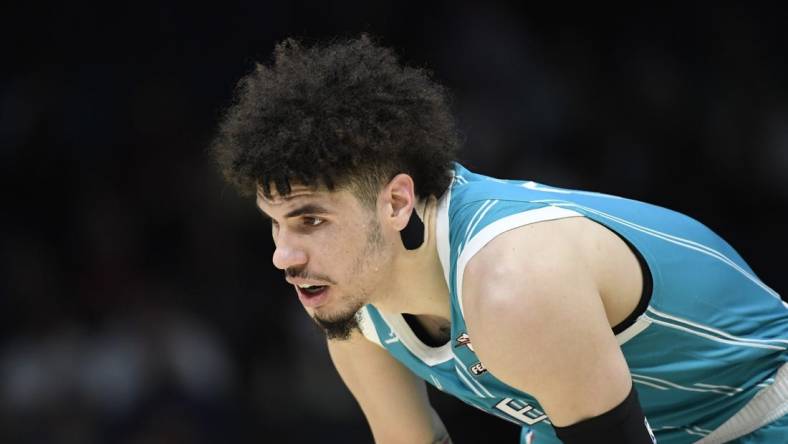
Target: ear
398, 199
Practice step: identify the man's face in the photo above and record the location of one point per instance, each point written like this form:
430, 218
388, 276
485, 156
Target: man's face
331, 248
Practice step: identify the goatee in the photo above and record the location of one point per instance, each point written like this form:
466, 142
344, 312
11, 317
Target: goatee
338, 329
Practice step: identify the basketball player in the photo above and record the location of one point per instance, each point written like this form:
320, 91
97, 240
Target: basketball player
581, 317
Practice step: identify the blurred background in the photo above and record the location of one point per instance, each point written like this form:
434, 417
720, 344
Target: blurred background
138, 303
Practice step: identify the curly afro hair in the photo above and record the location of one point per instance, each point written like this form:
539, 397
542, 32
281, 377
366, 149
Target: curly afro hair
342, 114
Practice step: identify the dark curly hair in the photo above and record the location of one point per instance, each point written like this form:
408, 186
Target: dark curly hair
341, 114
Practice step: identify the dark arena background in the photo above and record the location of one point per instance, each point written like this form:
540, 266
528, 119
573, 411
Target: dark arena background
137, 296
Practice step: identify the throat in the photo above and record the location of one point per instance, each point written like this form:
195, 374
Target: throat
431, 330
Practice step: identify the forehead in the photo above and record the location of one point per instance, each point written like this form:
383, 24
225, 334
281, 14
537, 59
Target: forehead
300, 194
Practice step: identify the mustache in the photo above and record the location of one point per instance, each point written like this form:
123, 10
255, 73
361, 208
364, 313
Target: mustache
302, 273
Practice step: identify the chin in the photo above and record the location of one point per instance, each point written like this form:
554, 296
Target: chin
338, 326
334, 317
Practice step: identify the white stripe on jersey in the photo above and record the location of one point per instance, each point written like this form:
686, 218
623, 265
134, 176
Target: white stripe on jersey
474, 221
714, 330
467, 383
712, 337
721, 387
471, 228
462, 365
633, 330
766, 406
668, 385
672, 239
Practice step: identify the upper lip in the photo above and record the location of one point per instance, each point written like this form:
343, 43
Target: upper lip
300, 282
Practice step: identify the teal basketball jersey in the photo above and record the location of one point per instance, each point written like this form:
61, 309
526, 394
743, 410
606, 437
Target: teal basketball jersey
705, 356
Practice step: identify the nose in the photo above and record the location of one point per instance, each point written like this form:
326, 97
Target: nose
288, 255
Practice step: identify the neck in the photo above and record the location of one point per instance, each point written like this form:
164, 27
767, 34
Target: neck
420, 288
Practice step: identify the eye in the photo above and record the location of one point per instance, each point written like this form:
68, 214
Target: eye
312, 221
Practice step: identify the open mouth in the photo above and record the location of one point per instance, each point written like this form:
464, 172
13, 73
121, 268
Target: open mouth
312, 295
312, 290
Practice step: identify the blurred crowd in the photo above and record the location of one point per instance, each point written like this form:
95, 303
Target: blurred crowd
137, 297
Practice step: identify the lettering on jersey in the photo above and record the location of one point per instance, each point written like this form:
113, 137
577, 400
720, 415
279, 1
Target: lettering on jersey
464, 339
526, 414
477, 369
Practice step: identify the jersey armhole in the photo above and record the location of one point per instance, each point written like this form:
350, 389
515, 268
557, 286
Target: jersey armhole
645, 294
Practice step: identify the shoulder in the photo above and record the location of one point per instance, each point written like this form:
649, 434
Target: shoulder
537, 254
528, 282
533, 308
526, 264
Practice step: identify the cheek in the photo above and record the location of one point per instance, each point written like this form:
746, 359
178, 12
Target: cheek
352, 254
337, 250
349, 240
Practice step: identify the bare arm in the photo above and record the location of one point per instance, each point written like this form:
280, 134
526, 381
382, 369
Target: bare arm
534, 310
392, 398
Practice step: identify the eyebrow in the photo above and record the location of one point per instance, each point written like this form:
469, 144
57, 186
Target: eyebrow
309, 208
